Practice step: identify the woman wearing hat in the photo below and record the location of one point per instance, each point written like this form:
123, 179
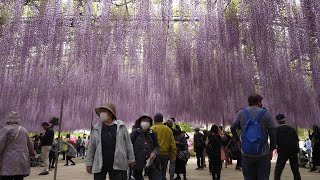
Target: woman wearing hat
15, 142
110, 150
146, 149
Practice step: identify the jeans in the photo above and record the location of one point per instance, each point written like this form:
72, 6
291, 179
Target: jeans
113, 175
200, 160
256, 168
163, 165
281, 162
82, 151
11, 177
309, 153
172, 168
45, 150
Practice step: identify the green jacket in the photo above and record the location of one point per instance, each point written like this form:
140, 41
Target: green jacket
166, 140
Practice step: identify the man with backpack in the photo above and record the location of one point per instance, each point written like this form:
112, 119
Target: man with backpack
287, 147
256, 126
199, 144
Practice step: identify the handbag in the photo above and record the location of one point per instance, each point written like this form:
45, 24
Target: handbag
184, 155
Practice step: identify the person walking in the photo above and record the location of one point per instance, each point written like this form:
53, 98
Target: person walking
70, 153
83, 147
172, 165
16, 148
199, 144
78, 144
182, 147
287, 143
110, 150
52, 154
46, 144
315, 139
146, 149
167, 144
256, 126
308, 147
214, 152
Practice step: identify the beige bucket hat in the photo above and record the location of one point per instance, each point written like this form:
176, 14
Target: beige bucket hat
12, 118
108, 106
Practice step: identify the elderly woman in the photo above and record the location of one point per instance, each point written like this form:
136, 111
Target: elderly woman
146, 149
16, 143
110, 150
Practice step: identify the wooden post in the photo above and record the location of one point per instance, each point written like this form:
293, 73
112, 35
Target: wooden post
59, 139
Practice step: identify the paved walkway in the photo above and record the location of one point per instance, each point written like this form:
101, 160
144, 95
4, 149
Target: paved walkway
78, 172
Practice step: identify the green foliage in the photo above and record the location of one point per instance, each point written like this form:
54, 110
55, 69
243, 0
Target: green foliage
185, 127
302, 133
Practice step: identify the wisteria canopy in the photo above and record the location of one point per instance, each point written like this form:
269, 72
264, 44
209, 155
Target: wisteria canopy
195, 60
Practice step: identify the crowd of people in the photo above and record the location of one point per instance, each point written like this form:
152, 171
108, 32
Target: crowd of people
155, 146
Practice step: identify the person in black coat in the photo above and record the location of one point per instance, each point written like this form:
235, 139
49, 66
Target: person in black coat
287, 143
214, 152
199, 145
146, 149
315, 140
182, 145
46, 143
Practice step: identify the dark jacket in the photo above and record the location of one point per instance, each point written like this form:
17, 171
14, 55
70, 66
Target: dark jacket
48, 137
182, 145
287, 139
141, 149
214, 145
199, 141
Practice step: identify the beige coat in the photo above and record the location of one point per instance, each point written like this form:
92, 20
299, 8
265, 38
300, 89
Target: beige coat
15, 160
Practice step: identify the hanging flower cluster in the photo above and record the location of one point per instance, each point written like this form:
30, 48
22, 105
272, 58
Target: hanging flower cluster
194, 60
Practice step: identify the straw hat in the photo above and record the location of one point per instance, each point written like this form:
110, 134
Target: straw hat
108, 106
12, 118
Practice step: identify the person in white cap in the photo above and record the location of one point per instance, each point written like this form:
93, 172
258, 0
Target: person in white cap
110, 150
15, 149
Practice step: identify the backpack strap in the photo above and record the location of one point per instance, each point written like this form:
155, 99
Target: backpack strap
246, 112
260, 115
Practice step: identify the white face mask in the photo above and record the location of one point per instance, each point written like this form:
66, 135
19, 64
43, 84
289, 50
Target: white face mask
145, 125
104, 116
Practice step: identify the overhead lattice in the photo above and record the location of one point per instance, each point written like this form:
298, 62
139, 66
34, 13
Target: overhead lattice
196, 60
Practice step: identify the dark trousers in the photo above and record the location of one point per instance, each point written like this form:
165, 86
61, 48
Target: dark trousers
256, 168
153, 174
113, 175
11, 177
238, 163
215, 165
52, 159
200, 159
69, 158
163, 165
281, 162
82, 151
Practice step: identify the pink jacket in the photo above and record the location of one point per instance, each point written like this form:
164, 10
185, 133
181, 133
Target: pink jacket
15, 160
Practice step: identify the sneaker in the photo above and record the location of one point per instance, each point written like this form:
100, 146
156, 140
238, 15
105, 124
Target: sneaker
73, 164
66, 165
44, 173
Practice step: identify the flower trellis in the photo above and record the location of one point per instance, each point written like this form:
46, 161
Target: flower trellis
196, 60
